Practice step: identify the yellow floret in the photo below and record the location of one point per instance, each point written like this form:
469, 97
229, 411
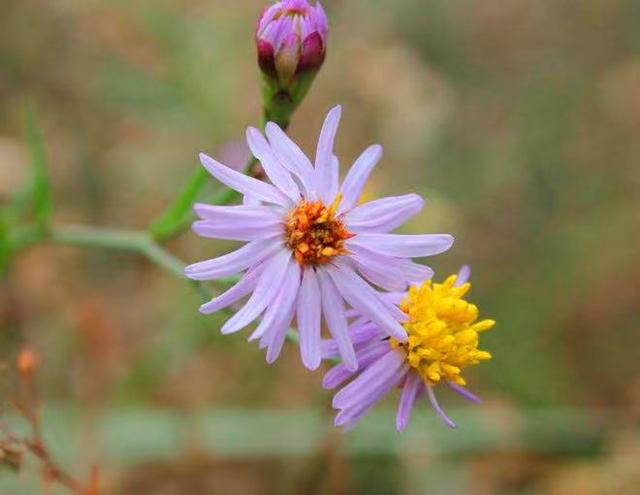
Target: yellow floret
443, 331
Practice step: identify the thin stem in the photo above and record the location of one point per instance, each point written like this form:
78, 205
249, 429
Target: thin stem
126, 240
161, 257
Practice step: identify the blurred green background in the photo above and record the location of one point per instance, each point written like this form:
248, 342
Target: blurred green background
518, 121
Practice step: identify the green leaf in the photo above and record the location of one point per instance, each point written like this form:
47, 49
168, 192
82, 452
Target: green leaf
5, 244
178, 215
174, 217
40, 184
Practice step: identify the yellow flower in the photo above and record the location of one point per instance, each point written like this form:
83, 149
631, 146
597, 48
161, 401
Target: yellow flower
443, 331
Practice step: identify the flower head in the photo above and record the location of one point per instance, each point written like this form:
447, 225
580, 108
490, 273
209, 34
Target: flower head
442, 331
311, 248
291, 40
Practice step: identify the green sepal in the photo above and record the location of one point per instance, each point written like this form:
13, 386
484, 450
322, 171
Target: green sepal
280, 102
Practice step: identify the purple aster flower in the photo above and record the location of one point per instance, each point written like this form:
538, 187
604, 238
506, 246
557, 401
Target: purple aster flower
442, 331
311, 248
291, 37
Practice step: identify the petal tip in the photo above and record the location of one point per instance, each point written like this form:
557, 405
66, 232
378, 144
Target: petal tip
203, 309
204, 158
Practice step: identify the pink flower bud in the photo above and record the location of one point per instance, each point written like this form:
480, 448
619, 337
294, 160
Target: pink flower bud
291, 39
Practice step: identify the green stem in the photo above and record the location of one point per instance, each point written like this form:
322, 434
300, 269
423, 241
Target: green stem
124, 240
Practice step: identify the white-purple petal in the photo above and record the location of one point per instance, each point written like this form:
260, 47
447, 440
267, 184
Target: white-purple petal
407, 398
463, 275
232, 263
277, 318
386, 271
410, 246
278, 175
244, 287
383, 215
291, 157
335, 179
357, 177
281, 325
374, 391
464, 392
267, 287
374, 376
339, 373
243, 183
364, 298
241, 213
324, 153
309, 319
241, 232
358, 334
436, 406
334, 314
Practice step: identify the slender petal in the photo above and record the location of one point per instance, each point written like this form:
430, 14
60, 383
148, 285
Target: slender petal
278, 175
349, 415
324, 153
411, 246
250, 200
243, 183
438, 409
291, 156
280, 327
276, 322
463, 275
232, 215
333, 310
408, 397
388, 272
364, 298
357, 176
358, 334
266, 289
335, 179
235, 293
339, 373
237, 261
464, 392
393, 297
384, 215
279, 302
241, 232
309, 317
371, 378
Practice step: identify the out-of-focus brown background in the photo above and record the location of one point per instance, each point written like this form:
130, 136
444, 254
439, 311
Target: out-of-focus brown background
518, 121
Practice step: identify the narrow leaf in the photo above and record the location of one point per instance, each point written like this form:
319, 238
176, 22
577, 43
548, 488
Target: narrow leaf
40, 185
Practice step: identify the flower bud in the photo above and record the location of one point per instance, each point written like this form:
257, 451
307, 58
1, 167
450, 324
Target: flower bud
291, 39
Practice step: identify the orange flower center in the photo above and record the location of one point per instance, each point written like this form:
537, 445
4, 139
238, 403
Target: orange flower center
314, 233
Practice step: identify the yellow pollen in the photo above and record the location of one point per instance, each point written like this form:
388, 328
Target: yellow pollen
314, 233
442, 330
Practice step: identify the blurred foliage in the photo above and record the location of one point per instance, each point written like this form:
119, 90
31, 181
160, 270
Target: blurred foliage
517, 120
